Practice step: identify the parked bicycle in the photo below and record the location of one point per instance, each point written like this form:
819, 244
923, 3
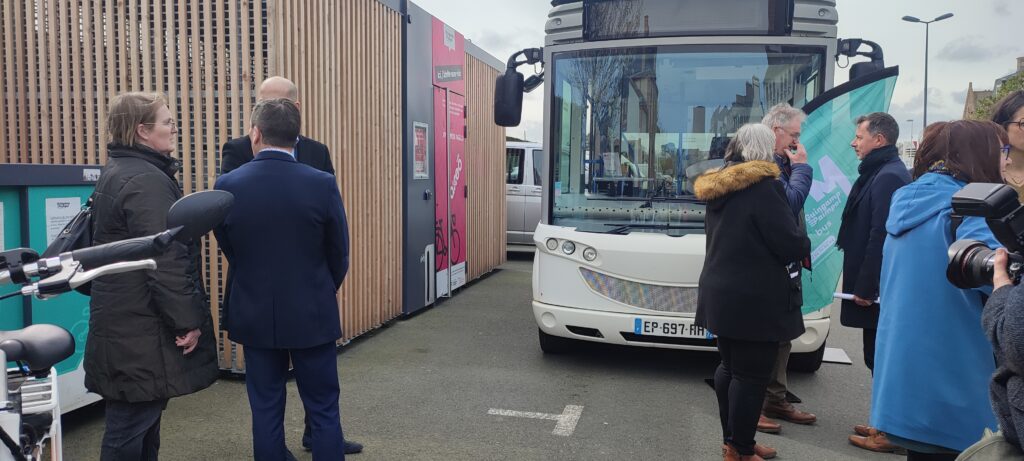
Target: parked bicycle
29, 401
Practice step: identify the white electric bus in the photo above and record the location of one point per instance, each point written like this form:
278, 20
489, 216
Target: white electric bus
641, 97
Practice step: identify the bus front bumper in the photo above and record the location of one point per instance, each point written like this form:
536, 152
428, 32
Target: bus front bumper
646, 330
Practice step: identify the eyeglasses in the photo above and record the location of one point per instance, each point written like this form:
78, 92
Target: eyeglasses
792, 135
170, 123
1019, 123
1005, 150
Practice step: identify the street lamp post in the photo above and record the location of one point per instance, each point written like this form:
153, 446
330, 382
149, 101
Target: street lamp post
926, 23
911, 122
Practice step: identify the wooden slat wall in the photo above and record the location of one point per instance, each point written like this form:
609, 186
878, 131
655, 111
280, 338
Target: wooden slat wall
485, 155
345, 57
63, 60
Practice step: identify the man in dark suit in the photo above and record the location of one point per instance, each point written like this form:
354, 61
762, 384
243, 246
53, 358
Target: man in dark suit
238, 152
862, 235
288, 250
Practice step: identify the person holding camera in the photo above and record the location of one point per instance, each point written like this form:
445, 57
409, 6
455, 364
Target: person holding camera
748, 295
1003, 322
932, 361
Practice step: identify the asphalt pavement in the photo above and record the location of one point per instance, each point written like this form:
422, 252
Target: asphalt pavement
466, 380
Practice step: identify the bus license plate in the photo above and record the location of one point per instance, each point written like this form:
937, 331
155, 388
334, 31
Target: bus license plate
643, 326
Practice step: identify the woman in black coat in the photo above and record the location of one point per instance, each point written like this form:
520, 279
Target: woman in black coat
749, 296
150, 332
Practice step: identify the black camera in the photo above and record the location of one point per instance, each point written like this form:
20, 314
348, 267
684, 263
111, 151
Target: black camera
971, 261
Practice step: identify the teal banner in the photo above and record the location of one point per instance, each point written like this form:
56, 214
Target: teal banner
827, 134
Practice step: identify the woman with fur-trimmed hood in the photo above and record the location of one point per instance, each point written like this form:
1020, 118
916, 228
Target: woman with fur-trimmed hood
748, 298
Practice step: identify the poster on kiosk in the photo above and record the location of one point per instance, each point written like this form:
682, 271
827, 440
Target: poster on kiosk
448, 64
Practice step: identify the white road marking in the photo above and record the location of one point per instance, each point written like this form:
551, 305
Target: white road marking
566, 422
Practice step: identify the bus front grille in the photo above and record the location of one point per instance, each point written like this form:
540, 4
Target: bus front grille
661, 298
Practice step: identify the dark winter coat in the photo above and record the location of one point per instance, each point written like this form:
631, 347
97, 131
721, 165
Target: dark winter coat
864, 234
130, 353
746, 292
1003, 321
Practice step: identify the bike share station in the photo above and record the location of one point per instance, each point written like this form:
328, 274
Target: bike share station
436, 165
36, 202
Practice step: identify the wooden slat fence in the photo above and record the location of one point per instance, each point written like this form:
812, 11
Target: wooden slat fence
61, 61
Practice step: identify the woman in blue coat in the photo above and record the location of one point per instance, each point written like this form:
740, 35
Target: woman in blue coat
932, 360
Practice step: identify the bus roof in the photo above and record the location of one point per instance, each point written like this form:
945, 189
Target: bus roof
592, 20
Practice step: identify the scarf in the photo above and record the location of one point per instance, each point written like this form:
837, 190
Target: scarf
868, 169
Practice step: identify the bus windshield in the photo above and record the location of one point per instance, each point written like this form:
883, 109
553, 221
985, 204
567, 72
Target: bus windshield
632, 128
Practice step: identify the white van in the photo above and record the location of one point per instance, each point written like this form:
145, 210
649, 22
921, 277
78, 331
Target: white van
523, 193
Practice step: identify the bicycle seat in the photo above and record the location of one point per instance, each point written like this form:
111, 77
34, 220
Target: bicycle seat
40, 346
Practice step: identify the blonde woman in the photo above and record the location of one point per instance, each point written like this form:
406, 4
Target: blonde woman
150, 333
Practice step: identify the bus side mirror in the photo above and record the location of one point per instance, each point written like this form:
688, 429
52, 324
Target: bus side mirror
508, 98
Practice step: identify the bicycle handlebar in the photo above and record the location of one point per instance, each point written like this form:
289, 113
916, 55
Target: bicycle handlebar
60, 283
123, 250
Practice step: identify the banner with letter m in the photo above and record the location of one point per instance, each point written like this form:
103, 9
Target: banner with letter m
827, 134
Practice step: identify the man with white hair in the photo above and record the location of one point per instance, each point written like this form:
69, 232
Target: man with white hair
791, 157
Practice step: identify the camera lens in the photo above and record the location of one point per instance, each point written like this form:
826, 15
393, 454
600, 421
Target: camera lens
970, 264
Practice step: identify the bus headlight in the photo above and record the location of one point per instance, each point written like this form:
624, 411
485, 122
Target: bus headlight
568, 247
589, 254
552, 244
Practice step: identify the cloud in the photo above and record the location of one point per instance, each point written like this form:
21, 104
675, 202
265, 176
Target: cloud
1001, 8
505, 42
960, 95
942, 105
971, 48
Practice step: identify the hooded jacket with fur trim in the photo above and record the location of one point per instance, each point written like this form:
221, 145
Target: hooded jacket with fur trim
746, 292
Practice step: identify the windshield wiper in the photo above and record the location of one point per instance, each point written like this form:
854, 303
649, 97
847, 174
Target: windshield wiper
649, 201
662, 198
622, 228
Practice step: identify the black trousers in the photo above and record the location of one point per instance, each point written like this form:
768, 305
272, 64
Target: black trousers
918, 456
869, 348
132, 431
740, 383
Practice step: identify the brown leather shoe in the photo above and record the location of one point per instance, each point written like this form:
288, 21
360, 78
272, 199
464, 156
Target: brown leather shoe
768, 426
862, 430
730, 454
877, 441
787, 412
765, 451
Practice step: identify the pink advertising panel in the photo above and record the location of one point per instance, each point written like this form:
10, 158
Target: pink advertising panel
450, 171
448, 56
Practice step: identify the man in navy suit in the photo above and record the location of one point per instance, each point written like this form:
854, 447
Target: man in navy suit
288, 250
238, 152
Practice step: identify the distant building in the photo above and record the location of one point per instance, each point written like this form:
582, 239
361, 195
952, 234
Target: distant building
971, 102
907, 150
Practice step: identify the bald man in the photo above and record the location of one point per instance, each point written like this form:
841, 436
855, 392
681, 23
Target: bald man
238, 151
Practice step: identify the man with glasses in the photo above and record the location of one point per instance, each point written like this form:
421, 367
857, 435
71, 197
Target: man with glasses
796, 174
861, 236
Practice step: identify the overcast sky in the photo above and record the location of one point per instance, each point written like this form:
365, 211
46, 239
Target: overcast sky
979, 44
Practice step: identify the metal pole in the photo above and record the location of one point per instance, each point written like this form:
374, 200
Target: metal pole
926, 24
